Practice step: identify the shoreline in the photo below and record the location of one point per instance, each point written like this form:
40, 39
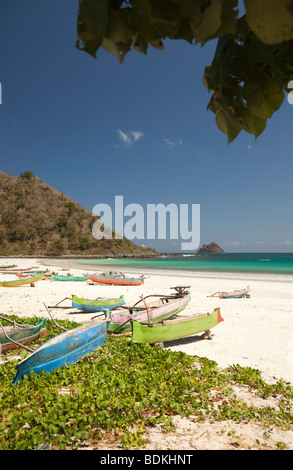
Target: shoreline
239, 275
257, 332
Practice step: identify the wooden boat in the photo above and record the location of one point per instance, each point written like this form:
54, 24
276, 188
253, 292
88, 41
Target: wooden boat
8, 266
236, 294
97, 305
13, 270
13, 337
174, 329
64, 349
68, 277
118, 279
28, 273
162, 309
22, 282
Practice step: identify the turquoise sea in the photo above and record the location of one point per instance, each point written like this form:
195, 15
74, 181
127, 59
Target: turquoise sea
268, 265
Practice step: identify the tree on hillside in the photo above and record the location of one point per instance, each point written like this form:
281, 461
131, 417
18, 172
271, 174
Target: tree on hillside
253, 62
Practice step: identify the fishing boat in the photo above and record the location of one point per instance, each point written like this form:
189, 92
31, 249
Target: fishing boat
174, 329
236, 294
28, 273
13, 337
158, 310
118, 279
22, 282
13, 270
97, 305
68, 277
64, 349
8, 266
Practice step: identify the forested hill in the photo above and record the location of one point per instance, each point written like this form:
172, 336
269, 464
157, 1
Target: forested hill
36, 219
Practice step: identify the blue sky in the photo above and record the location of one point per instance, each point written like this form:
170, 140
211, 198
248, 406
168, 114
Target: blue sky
94, 129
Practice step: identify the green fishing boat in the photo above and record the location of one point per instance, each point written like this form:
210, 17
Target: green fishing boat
174, 329
15, 336
96, 305
8, 266
22, 282
68, 277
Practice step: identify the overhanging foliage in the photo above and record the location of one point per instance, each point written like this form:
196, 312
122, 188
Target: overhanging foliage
253, 62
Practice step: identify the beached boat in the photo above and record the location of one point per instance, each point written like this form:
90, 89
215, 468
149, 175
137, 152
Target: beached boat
64, 349
13, 337
165, 307
97, 305
118, 279
174, 329
29, 273
13, 270
68, 277
22, 282
8, 266
236, 294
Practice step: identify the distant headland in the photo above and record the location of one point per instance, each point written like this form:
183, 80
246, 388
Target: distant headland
211, 248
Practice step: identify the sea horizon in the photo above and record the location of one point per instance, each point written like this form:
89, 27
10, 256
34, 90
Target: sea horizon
268, 266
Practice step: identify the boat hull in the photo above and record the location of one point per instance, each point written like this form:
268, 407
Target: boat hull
174, 329
118, 281
64, 349
89, 306
236, 294
232, 296
22, 282
120, 322
24, 336
68, 278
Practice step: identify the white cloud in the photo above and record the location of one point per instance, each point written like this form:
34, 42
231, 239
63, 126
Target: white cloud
171, 144
235, 243
260, 242
130, 137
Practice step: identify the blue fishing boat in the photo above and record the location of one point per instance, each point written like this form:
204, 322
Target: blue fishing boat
236, 294
97, 305
64, 349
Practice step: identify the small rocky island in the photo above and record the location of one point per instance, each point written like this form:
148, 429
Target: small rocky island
210, 249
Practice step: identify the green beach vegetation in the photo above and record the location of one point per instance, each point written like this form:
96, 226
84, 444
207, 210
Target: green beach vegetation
123, 389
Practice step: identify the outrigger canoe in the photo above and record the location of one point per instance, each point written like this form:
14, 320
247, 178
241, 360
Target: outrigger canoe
118, 279
12, 270
13, 337
97, 305
174, 329
22, 282
64, 349
162, 309
236, 294
55, 277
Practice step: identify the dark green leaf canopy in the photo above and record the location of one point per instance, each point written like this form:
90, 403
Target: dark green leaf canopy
253, 62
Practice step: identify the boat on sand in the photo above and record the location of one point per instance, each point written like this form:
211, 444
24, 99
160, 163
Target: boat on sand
164, 307
64, 349
15, 336
180, 327
236, 294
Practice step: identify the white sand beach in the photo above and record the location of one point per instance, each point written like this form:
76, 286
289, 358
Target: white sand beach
256, 332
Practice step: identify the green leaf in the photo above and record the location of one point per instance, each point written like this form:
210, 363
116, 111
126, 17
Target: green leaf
270, 20
263, 97
228, 125
252, 124
207, 22
91, 25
